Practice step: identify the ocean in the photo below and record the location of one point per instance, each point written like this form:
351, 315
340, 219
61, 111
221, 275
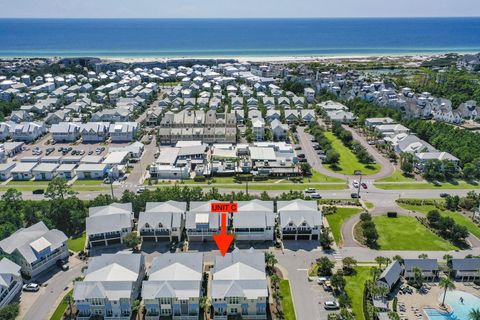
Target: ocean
237, 37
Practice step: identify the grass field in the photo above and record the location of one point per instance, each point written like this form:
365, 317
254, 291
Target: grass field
348, 163
336, 220
406, 233
397, 176
61, 308
458, 217
354, 289
28, 183
77, 244
287, 302
426, 185
88, 182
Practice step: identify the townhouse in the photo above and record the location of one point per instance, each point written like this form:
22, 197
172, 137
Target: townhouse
238, 287
65, 131
107, 225
299, 220
111, 285
27, 131
123, 131
36, 248
94, 131
428, 268
162, 221
254, 221
174, 287
10, 281
200, 223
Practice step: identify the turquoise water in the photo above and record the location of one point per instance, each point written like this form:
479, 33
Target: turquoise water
460, 310
237, 37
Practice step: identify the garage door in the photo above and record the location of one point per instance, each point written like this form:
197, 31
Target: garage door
148, 239
97, 244
289, 237
303, 237
314, 236
113, 241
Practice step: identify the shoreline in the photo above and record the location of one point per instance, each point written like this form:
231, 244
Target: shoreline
360, 58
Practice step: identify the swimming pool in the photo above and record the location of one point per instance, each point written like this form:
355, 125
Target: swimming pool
460, 310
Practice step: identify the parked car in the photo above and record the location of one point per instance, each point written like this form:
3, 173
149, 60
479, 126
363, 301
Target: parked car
62, 264
315, 195
354, 195
364, 185
31, 287
141, 190
444, 195
310, 190
38, 191
322, 280
355, 184
331, 305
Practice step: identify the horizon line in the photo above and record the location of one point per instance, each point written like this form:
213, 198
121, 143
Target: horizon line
236, 18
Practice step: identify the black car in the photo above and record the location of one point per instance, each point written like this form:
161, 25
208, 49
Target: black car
38, 191
354, 195
444, 195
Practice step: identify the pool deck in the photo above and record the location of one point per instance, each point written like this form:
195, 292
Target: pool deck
416, 302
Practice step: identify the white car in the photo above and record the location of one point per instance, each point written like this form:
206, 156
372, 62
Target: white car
321, 280
355, 184
315, 195
31, 287
331, 305
310, 190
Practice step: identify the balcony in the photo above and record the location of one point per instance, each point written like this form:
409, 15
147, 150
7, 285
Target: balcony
112, 236
96, 237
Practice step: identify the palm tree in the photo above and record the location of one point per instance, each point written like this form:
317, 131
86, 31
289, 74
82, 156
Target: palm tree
69, 300
375, 273
447, 284
270, 260
474, 314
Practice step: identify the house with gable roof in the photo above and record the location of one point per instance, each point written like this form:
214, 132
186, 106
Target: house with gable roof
174, 287
162, 221
299, 220
111, 285
201, 224
10, 281
239, 285
254, 221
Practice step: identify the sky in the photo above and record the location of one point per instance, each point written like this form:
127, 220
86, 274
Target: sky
236, 8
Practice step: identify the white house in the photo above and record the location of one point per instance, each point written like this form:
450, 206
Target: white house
174, 287
35, 248
123, 131
65, 131
45, 171
27, 131
162, 221
239, 286
23, 171
93, 131
201, 224
5, 170
299, 219
254, 221
87, 171
111, 285
10, 281
108, 225
279, 130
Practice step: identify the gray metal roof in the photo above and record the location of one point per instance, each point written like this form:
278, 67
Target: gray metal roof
466, 264
23, 240
239, 274
253, 219
422, 264
7, 270
110, 276
391, 274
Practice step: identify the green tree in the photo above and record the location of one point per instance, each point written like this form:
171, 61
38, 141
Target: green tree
349, 265
446, 284
9, 312
474, 314
325, 266
131, 240
58, 189
270, 261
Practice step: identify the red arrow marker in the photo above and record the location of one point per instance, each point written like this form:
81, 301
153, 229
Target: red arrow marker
223, 240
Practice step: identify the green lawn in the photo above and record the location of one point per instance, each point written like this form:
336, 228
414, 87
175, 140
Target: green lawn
397, 176
287, 302
426, 185
369, 205
319, 177
354, 289
348, 163
77, 244
458, 217
88, 182
406, 233
61, 308
28, 183
336, 220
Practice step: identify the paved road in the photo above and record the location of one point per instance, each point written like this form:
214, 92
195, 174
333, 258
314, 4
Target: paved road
47, 299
